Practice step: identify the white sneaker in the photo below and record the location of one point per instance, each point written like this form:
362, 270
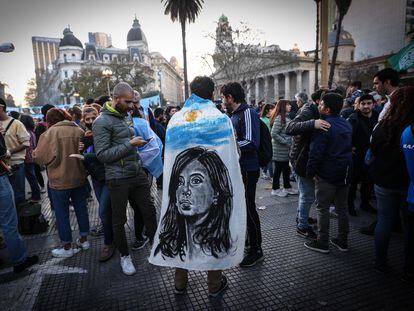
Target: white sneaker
279, 192
291, 191
127, 265
85, 245
42, 190
61, 252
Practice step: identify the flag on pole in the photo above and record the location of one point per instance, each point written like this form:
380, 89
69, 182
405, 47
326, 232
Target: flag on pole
404, 59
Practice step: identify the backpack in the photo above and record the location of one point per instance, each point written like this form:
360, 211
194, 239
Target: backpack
265, 151
31, 219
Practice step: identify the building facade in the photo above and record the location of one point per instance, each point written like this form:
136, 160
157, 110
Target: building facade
45, 53
72, 56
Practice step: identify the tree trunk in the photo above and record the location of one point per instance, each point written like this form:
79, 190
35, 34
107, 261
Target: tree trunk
316, 86
185, 61
335, 51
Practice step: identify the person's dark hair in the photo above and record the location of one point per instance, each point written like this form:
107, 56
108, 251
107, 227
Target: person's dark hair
89, 101
356, 84
15, 114
158, 112
28, 122
45, 109
366, 97
168, 110
3, 104
366, 91
334, 102
203, 87
213, 234
316, 95
75, 112
56, 115
89, 109
101, 100
235, 90
388, 74
399, 115
265, 109
280, 110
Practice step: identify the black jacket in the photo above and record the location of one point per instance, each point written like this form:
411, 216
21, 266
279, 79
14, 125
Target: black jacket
112, 134
302, 126
3, 151
388, 168
362, 128
330, 155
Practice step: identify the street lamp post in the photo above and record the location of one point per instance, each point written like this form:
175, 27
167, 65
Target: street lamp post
107, 73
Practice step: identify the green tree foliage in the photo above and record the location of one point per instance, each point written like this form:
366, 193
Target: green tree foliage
31, 93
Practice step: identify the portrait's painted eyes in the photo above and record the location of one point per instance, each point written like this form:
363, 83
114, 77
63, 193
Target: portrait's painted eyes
196, 179
180, 181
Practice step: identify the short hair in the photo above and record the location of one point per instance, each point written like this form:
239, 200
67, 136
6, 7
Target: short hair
235, 90
158, 112
303, 97
122, 88
334, 102
366, 97
46, 108
75, 110
388, 74
317, 95
27, 121
15, 114
89, 101
89, 109
101, 100
3, 104
202, 86
356, 84
56, 115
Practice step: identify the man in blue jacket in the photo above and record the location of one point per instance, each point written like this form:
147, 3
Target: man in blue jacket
247, 127
330, 164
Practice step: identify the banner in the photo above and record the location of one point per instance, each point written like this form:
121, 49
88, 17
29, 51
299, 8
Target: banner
404, 59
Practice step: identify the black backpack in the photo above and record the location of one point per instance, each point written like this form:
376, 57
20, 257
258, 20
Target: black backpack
31, 219
265, 151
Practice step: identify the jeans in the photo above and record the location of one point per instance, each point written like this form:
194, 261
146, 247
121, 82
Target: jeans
306, 198
407, 218
139, 189
366, 188
281, 168
105, 211
61, 204
389, 203
39, 175
254, 231
8, 222
18, 182
29, 169
326, 193
269, 169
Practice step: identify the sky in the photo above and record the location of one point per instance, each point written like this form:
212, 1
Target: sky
280, 22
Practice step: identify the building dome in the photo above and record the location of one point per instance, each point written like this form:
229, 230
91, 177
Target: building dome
69, 39
345, 38
135, 33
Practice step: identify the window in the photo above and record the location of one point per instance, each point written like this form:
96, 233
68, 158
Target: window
66, 73
91, 57
352, 55
64, 57
73, 55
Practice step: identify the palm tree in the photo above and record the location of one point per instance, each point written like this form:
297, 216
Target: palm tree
317, 46
184, 11
343, 6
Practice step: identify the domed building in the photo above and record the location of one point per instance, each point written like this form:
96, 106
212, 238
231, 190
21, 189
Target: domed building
346, 46
73, 55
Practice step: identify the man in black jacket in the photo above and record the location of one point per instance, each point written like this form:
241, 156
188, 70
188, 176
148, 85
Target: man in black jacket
363, 122
302, 126
115, 146
8, 217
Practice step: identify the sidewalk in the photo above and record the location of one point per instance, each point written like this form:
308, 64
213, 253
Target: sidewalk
290, 278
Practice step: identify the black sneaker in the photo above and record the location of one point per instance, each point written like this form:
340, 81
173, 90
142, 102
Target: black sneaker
306, 233
224, 285
317, 247
369, 230
342, 246
178, 291
138, 244
29, 261
251, 259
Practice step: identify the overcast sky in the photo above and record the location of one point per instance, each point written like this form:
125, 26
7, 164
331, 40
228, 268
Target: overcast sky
281, 22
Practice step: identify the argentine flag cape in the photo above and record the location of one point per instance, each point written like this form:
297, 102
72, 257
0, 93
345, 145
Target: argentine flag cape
199, 124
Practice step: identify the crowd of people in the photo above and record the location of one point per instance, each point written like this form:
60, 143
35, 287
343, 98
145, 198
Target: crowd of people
331, 143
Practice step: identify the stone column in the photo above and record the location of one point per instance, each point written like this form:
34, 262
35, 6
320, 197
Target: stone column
276, 87
287, 85
266, 89
299, 87
312, 78
257, 91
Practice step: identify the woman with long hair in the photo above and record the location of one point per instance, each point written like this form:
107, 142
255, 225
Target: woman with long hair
281, 143
389, 172
265, 114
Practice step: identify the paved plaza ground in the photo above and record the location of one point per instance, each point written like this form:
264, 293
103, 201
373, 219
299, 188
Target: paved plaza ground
290, 278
